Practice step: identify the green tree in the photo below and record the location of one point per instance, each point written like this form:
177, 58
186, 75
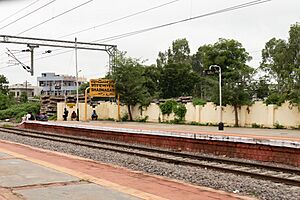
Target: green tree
176, 80
178, 53
236, 74
4, 101
152, 76
281, 60
176, 75
261, 88
130, 82
3, 84
23, 97
294, 51
82, 87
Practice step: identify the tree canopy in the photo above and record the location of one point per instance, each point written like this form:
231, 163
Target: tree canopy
130, 82
3, 84
236, 74
281, 61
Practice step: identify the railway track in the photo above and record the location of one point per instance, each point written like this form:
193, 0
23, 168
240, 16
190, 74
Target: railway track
276, 174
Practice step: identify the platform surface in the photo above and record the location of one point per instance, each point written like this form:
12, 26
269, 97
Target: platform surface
284, 134
34, 174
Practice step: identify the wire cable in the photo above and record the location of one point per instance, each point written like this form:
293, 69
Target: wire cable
248, 4
119, 19
20, 18
52, 18
19, 11
232, 8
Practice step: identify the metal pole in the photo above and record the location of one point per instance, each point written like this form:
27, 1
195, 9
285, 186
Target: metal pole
85, 103
76, 65
119, 109
32, 52
221, 125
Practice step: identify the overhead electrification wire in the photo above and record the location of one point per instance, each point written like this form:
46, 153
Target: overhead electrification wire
52, 18
39, 8
119, 19
6, 18
237, 7
232, 8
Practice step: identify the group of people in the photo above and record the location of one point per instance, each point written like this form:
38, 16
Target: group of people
66, 113
39, 116
74, 115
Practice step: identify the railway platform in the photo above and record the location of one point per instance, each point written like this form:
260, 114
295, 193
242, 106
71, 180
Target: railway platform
256, 133
33, 174
267, 145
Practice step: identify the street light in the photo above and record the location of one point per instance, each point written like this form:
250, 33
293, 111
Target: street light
221, 124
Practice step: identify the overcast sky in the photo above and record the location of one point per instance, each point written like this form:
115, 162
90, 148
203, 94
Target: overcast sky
252, 26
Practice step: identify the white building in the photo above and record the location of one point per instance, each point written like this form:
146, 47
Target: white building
17, 89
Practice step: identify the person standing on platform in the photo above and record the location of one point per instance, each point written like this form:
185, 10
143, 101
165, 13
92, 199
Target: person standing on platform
66, 113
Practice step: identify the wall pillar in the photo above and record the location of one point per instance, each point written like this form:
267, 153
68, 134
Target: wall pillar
270, 116
243, 115
198, 113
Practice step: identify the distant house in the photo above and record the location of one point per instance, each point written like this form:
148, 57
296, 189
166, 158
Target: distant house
58, 85
17, 89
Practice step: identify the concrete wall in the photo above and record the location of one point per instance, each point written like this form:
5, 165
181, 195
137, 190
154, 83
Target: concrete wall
258, 113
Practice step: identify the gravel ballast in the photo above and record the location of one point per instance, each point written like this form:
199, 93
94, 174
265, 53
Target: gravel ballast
199, 176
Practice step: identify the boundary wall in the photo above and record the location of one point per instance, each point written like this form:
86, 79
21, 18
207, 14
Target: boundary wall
259, 114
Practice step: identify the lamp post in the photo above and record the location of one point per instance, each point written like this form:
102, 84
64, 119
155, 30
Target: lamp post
221, 124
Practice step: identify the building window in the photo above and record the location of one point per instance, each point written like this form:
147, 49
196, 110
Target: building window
32, 94
18, 93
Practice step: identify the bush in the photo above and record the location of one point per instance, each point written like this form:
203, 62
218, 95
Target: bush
199, 124
167, 107
255, 125
19, 110
142, 119
198, 102
180, 111
278, 126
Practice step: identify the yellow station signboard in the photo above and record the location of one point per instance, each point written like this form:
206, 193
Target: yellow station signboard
102, 88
